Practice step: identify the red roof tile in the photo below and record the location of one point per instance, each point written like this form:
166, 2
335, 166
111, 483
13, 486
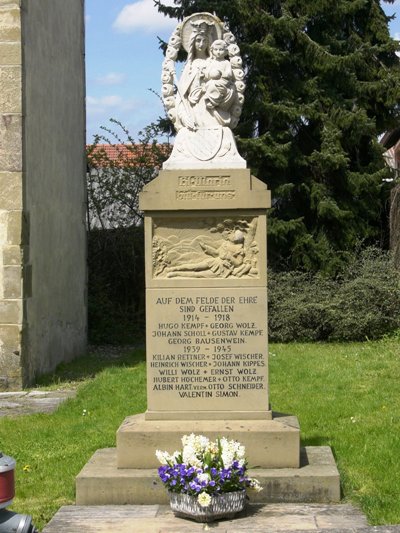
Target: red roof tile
102, 155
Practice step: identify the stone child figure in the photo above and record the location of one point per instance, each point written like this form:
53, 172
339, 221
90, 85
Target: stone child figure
219, 89
206, 102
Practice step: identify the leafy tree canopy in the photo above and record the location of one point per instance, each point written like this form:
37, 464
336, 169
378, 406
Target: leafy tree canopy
323, 83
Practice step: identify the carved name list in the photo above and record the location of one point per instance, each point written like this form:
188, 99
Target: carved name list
208, 348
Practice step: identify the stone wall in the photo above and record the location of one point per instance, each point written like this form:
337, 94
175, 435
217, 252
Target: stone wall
11, 194
42, 187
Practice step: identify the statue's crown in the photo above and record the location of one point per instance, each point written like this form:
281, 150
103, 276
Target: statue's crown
201, 27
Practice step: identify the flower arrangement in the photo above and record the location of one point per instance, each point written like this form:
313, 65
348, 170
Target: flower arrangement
205, 468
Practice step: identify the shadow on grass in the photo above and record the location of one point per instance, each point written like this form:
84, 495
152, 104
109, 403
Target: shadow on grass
87, 367
320, 440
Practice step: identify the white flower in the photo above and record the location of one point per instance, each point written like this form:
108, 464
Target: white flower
204, 499
203, 477
174, 457
188, 454
229, 451
165, 458
227, 459
189, 457
201, 443
198, 442
162, 457
188, 440
212, 447
237, 448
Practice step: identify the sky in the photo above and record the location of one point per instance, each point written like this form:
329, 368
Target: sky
123, 61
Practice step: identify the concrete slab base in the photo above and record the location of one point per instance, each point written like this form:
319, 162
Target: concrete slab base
276, 518
269, 443
101, 483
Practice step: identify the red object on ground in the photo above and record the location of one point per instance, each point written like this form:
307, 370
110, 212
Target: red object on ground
7, 479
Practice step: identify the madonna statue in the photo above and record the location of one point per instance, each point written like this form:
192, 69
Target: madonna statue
206, 102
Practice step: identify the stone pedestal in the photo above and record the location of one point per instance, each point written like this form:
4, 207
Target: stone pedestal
206, 298
207, 346
269, 443
101, 483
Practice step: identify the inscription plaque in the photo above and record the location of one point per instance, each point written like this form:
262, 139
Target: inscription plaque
207, 351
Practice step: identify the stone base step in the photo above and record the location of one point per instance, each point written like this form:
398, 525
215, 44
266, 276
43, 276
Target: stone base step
269, 443
100, 482
276, 518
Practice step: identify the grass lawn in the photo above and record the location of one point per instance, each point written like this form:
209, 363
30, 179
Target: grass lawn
346, 396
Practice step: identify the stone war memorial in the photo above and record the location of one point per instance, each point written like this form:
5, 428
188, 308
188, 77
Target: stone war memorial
206, 298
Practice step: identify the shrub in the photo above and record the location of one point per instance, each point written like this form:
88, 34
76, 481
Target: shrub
298, 307
368, 298
364, 302
116, 293
115, 181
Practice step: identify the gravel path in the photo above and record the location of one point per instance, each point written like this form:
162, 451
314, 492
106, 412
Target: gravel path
27, 403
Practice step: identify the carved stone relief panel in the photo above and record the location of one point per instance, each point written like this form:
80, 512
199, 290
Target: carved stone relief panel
207, 247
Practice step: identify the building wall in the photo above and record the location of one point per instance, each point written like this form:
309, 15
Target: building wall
42, 223
394, 218
392, 156
11, 195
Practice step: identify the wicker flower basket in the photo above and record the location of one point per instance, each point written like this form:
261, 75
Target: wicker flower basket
224, 505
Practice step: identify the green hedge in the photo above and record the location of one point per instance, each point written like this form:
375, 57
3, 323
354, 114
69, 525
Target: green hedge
364, 302
116, 294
